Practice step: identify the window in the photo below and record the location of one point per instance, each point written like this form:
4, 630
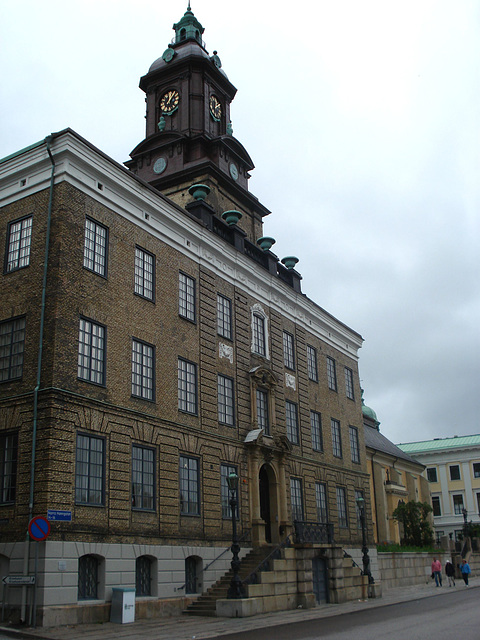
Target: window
19, 239
292, 422
143, 576
189, 486
224, 317
144, 274
432, 474
95, 251
225, 471
349, 383
12, 345
312, 363
437, 511
288, 351
331, 374
316, 426
88, 578
8, 467
321, 501
263, 421
457, 504
258, 327
455, 472
186, 297
89, 470
438, 536
354, 447
336, 438
226, 413
187, 386
476, 469
91, 352
478, 502
143, 478
143, 370
342, 507
297, 499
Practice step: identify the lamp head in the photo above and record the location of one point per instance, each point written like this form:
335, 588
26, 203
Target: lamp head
232, 481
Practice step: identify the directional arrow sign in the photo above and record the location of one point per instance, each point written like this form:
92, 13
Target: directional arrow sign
18, 580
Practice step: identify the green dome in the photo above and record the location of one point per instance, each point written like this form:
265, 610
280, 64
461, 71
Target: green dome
188, 28
368, 412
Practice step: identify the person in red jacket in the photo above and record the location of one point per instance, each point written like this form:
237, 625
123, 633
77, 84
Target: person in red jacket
437, 572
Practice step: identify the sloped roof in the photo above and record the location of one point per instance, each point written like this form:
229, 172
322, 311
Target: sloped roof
377, 441
440, 443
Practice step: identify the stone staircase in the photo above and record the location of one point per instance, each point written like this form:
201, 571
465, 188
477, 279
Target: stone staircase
205, 605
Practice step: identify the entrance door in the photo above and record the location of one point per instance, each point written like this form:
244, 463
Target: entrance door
319, 571
264, 487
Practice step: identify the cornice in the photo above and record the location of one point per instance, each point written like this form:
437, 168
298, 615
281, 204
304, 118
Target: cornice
83, 166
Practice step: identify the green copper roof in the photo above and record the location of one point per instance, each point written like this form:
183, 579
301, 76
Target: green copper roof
188, 27
440, 443
19, 153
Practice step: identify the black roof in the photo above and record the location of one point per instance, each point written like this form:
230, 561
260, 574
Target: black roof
377, 441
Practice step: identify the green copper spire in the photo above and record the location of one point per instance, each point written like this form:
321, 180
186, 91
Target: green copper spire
188, 28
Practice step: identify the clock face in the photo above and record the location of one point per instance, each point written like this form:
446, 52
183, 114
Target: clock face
215, 108
160, 165
169, 102
233, 170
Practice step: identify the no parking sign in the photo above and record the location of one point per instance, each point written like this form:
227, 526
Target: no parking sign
39, 528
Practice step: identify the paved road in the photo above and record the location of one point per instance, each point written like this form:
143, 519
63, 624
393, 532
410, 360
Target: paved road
445, 617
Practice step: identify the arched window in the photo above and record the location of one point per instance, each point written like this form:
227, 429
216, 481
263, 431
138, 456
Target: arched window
88, 577
183, 34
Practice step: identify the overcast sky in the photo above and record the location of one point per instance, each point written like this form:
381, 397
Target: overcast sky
363, 121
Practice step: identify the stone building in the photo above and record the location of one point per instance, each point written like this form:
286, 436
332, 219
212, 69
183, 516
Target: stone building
394, 476
453, 475
152, 344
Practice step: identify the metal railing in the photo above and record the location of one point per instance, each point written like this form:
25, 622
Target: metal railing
313, 532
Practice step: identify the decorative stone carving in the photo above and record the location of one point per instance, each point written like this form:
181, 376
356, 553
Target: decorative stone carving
290, 381
225, 351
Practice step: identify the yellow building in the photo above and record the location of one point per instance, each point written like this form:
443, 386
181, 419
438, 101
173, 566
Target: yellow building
394, 476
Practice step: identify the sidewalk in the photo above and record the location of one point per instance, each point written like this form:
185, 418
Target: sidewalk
200, 628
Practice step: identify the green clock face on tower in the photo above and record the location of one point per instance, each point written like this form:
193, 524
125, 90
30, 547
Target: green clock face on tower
169, 102
215, 108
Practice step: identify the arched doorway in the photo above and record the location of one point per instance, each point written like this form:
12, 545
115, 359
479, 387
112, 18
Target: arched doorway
319, 577
265, 510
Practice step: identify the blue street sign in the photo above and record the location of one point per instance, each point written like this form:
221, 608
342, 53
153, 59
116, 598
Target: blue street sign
55, 514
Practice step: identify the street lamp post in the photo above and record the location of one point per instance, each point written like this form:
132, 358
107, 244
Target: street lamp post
365, 559
236, 589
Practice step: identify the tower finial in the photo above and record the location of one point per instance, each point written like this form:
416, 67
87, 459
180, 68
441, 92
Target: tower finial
189, 8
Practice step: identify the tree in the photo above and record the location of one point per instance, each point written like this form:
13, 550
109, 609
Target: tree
417, 530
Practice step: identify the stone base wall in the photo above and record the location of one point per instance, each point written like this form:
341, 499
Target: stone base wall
405, 569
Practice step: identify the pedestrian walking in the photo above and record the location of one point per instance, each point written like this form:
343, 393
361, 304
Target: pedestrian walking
437, 572
466, 571
450, 573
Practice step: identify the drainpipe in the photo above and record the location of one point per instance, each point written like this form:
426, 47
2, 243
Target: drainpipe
26, 556
375, 498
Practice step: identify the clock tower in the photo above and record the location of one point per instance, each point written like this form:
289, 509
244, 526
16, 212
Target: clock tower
189, 135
